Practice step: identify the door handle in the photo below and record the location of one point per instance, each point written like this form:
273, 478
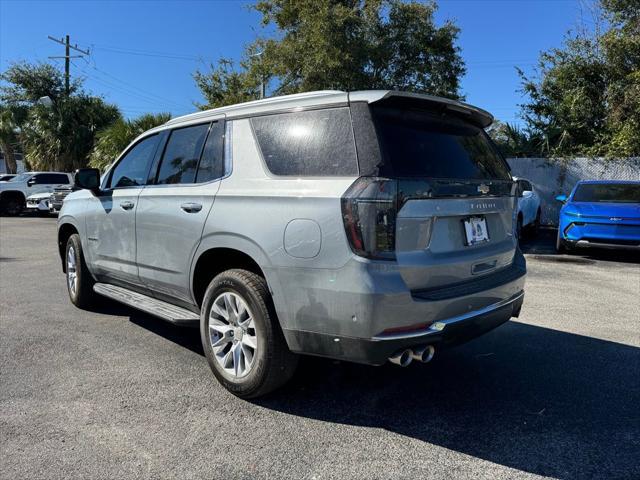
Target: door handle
126, 205
191, 207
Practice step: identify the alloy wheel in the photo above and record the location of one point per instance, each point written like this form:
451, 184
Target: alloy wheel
72, 274
232, 334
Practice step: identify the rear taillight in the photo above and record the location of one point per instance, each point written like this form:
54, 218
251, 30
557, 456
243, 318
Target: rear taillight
369, 209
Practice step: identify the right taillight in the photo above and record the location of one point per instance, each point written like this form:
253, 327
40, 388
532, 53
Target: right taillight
369, 210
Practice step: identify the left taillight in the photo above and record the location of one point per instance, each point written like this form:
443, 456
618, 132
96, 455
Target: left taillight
369, 211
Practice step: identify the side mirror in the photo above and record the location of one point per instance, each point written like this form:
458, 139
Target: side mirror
31, 182
561, 198
87, 179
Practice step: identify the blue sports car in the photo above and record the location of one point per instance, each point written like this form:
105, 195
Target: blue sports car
600, 213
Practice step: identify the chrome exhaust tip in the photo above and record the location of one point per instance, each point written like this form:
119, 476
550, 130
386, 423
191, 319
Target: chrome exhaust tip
402, 358
423, 354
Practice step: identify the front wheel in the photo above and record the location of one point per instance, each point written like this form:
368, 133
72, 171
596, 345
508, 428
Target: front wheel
241, 337
561, 244
79, 279
12, 206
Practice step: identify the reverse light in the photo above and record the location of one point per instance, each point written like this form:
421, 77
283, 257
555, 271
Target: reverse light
369, 211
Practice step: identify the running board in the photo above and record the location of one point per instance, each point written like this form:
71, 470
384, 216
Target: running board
150, 305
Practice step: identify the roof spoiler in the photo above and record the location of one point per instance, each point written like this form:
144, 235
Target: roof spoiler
475, 115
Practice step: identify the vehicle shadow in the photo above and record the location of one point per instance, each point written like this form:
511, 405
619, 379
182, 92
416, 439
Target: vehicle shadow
534, 399
537, 400
544, 243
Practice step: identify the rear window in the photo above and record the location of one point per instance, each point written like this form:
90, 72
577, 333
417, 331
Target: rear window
421, 144
611, 193
310, 143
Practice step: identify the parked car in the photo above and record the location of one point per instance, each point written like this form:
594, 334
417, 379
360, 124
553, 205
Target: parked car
5, 177
529, 209
39, 202
600, 213
59, 194
13, 194
366, 226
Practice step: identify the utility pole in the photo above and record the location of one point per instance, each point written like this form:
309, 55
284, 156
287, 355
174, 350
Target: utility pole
67, 57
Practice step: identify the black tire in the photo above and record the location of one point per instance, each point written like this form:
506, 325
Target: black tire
561, 245
83, 295
12, 206
536, 224
273, 364
519, 228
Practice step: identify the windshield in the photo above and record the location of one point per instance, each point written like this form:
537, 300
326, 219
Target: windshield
421, 144
608, 192
23, 177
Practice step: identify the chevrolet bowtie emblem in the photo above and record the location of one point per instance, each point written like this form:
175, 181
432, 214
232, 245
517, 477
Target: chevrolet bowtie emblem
484, 189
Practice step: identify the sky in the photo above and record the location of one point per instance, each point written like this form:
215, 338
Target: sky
143, 53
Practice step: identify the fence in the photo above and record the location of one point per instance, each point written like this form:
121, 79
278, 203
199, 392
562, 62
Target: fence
552, 177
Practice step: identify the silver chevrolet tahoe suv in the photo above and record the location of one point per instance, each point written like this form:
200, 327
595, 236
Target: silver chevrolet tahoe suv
367, 226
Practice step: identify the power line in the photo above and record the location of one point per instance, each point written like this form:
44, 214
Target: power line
149, 98
67, 57
144, 53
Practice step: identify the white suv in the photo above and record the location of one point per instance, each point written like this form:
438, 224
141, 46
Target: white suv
13, 194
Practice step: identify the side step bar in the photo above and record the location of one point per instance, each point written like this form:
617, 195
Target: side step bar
150, 305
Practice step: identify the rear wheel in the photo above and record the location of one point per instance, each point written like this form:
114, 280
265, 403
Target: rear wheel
519, 228
79, 279
241, 338
536, 224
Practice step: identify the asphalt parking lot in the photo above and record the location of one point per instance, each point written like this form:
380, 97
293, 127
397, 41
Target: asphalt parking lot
114, 393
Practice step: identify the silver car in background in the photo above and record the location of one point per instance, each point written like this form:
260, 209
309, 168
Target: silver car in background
366, 226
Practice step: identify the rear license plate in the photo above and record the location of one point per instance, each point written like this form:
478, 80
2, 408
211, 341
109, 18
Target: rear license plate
476, 230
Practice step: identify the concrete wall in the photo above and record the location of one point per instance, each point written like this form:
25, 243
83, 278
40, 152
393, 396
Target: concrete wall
552, 177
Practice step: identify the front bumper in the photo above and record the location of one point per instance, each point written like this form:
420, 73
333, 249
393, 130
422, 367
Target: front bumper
42, 206
584, 232
377, 350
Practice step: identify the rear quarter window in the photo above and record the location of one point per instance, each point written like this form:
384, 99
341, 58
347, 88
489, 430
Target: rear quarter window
309, 143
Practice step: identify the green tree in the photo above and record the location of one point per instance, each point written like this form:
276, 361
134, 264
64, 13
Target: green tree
57, 134
114, 139
585, 99
8, 138
61, 136
514, 141
341, 44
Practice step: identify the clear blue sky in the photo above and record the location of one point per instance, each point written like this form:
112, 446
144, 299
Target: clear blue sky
143, 53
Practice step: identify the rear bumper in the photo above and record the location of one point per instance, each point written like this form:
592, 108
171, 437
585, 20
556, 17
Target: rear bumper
378, 349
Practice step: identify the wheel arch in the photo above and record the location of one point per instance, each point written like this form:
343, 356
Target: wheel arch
65, 230
13, 193
225, 253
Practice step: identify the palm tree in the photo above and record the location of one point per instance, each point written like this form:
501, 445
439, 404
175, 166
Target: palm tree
8, 138
115, 138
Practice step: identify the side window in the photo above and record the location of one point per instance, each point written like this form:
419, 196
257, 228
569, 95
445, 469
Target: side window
181, 155
212, 161
132, 169
308, 143
50, 178
528, 187
58, 178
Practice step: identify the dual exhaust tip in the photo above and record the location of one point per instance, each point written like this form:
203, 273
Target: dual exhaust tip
422, 354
